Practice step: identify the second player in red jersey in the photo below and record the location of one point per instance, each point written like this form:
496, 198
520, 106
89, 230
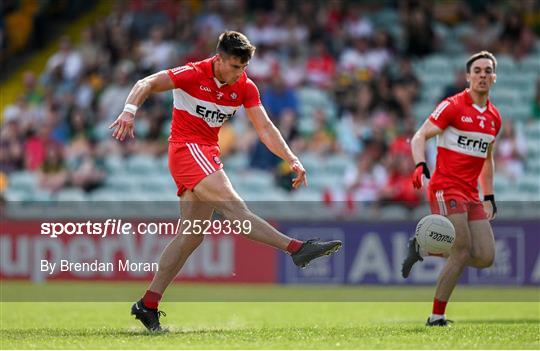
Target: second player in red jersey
466, 126
468, 132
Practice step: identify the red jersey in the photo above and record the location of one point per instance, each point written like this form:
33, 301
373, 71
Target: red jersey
468, 131
202, 104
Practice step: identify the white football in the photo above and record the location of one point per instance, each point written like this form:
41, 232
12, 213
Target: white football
435, 234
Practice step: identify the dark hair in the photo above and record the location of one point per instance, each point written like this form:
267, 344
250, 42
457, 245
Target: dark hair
481, 55
235, 44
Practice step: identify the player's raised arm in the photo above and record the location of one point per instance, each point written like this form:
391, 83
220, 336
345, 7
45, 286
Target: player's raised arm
124, 124
418, 148
271, 137
486, 183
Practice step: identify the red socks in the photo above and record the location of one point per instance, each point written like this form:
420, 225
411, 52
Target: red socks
151, 299
294, 246
439, 307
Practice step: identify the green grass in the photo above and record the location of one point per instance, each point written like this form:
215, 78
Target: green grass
271, 325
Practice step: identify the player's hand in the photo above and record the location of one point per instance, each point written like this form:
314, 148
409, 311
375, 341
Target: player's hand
490, 207
301, 176
123, 126
420, 170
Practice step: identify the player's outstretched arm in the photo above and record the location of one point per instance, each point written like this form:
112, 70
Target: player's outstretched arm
418, 149
271, 137
124, 124
486, 183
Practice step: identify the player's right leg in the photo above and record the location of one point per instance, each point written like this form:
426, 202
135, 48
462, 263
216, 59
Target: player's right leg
459, 257
217, 190
172, 260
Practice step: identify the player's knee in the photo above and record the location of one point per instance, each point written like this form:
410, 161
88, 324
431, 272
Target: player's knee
485, 261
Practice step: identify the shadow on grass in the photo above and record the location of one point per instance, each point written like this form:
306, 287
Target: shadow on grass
292, 332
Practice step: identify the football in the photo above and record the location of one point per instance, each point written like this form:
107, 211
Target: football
435, 234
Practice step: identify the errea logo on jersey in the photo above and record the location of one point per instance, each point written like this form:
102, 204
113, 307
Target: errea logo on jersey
180, 69
470, 144
212, 116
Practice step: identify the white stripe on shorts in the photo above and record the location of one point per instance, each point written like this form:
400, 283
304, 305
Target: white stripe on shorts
442, 205
203, 157
199, 162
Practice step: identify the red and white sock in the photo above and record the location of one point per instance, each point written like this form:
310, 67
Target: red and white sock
439, 310
151, 299
294, 246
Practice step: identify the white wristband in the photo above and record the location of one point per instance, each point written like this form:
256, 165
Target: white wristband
131, 109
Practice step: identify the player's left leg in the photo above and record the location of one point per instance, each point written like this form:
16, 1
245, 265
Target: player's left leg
482, 244
217, 190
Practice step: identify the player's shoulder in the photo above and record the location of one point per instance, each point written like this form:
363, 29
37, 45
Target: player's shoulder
459, 99
184, 72
196, 67
493, 109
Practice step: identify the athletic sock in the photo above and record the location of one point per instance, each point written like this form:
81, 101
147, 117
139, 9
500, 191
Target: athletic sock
436, 317
294, 246
439, 309
151, 299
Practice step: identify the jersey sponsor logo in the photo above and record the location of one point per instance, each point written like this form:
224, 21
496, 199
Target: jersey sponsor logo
472, 144
466, 119
203, 88
440, 109
213, 116
207, 109
465, 142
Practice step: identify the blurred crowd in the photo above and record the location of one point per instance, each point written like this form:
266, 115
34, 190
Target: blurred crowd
330, 49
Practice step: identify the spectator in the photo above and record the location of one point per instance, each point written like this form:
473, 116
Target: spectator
482, 34
156, 53
293, 70
67, 60
515, 38
419, 33
263, 65
11, 146
88, 167
365, 180
511, 152
52, 174
398, 189
112, 101
33, 93
277, 97
322, 140
459, 84
320, 66
356, 25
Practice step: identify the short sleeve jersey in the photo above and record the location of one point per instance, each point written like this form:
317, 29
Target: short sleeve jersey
202, 104
462, 147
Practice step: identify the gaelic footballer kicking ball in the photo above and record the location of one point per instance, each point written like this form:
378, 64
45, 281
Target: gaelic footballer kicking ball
435, 234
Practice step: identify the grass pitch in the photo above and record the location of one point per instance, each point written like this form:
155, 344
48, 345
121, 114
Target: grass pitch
271, 325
